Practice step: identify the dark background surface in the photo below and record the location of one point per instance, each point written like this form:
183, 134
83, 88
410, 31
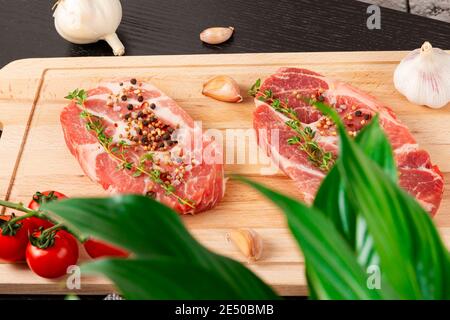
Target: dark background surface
152, 27
172, 27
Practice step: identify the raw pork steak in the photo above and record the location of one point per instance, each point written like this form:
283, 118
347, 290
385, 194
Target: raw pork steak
152, 146
418, 175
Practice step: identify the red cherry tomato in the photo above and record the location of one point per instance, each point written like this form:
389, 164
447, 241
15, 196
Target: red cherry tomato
52, 262
38, 199
70, 238
13, 242
44, 197
38, 223
98, 249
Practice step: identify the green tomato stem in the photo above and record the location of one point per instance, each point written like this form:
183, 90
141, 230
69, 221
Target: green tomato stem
55, 227
39, 214
16, 206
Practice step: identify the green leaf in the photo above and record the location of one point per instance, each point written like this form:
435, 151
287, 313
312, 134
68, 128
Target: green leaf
413, 258
164, 278
80, 95
412, 254
374, 143
332, 197
255, 88
137, 173
152, 231
332, 200
331, 263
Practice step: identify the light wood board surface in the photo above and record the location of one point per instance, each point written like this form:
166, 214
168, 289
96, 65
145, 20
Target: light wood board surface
33, 154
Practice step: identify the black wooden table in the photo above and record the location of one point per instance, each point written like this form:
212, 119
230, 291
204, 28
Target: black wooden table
151, 27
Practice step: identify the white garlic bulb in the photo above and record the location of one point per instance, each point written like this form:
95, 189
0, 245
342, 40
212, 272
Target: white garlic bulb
423, 76
88, 21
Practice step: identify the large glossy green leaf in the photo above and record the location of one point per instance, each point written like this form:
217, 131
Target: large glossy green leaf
374, 143
333, 200
165, 278
127, 221
335, 271
154, 232
413, 257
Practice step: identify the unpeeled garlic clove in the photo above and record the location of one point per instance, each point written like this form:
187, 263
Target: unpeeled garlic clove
423, 76
248, 241
216, 35
223, 88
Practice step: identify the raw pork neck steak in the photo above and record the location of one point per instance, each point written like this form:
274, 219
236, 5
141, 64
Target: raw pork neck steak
418, 175
131, 138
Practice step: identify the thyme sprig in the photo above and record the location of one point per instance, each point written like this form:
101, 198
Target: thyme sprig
305, 138
305, 141
79, 95
255, 88
118, 152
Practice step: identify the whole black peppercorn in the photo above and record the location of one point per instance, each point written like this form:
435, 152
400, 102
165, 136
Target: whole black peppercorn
153, 106
367, 117
133, 81
358, 113
151, 194
124, 98
140, 98
130, 107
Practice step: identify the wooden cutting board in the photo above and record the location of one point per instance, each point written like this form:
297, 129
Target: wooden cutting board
33, 155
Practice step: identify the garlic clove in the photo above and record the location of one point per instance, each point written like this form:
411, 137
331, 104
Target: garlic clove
222, 88
423, 76
248, 241
216, 35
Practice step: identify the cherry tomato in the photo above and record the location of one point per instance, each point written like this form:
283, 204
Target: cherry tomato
70, 238
13, 241
98, 249
38, 223
38, 199
52, 262
44, 197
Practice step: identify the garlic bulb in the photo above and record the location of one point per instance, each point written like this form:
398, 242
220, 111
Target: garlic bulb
423, 76
88, 21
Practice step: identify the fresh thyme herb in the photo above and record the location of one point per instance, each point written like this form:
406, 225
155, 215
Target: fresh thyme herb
79, 95
305, 138
118, 151
255, 88
305, 141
